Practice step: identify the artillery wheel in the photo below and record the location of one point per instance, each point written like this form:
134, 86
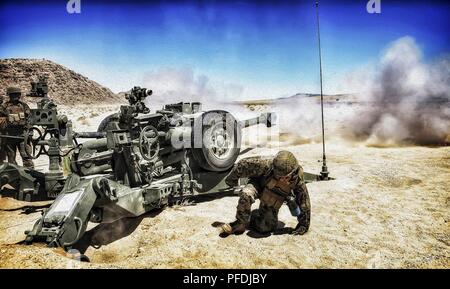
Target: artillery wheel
220, 140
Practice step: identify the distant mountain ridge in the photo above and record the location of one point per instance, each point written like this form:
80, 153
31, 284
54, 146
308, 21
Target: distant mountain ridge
327, 98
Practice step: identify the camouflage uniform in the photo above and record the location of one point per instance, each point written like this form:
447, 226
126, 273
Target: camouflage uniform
17, 113
2, 131
263, 185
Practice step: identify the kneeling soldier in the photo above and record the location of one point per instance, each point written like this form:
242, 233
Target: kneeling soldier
273, 182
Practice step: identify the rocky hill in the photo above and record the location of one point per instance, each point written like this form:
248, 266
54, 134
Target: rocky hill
65, 86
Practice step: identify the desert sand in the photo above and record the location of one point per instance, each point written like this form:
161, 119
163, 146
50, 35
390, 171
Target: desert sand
388, 207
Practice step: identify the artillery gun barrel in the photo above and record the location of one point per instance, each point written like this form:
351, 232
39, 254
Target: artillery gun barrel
11, 136
268, 119
94, 134
106, 155
95, 144
98, 169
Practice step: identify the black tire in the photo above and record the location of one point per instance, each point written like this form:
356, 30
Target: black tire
104, 124
206, 156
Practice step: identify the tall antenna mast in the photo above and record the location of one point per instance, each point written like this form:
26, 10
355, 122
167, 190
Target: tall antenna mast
324, 173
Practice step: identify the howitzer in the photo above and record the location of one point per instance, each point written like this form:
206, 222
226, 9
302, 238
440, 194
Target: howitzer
136, 161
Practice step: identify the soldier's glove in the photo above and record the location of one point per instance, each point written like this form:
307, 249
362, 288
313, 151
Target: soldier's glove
299, 230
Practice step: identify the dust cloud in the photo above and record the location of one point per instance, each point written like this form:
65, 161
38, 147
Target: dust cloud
406, 101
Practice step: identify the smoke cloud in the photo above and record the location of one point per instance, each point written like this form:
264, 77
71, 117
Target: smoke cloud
407, 100
182, 84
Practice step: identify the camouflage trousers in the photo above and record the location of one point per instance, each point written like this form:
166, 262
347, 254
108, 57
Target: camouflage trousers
264, 219
11, 146
2, 152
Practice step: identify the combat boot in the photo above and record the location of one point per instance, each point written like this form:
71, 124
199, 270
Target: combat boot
235, 227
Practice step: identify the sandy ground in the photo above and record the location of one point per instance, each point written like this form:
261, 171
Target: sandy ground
387, 208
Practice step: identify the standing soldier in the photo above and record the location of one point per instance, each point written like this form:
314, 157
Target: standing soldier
2, 131
17, 113
273, 182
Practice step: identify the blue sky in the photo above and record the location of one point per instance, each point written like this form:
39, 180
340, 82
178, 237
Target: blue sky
268, 48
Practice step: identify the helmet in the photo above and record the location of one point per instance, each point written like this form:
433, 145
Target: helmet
13, 91
284, 164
